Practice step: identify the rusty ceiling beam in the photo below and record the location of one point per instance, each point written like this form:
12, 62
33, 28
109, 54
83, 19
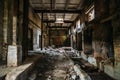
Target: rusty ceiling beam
54, 2
58, 27
51, 4
57, 11
52, 21
66, 6
42, 4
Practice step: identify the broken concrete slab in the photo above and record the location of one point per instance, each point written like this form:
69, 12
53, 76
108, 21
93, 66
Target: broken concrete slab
21, 72
82, 74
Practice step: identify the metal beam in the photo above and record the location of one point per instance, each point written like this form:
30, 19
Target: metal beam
58, 27
57, 11
52, 21
51, 4
54, 2
41, 31
67, 3
42, 4
66, 6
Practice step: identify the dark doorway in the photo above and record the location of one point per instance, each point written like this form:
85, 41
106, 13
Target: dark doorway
30, 39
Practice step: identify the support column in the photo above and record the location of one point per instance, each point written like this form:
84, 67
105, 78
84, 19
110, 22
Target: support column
49, 37
48, 29
25, 28
76, 41
71, 41
11, 55
10, 17
1, 28
42, 31
71, 38
5, 29
83, 41
14, 57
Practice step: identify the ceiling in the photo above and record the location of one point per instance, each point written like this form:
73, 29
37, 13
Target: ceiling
67, 10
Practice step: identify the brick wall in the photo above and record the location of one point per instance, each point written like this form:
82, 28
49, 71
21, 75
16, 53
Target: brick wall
1, 26
116, 36
102, 30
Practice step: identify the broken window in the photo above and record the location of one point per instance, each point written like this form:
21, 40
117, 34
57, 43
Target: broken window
90, 13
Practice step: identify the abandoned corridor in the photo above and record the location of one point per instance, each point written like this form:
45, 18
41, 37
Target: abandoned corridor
85, 34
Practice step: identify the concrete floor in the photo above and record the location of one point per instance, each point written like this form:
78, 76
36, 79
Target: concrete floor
52, 68
57, 66
61, 68
4, 70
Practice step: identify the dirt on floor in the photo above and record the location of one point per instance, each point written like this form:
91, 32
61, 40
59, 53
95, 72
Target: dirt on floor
4, 70
61, 68
52, 68
92, 71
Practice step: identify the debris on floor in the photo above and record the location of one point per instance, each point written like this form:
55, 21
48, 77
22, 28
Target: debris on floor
54, 66
91, 70
65, 64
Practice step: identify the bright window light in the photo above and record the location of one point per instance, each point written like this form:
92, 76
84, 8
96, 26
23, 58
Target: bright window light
59, 20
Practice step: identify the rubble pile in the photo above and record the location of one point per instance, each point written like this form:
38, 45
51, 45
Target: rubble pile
58, 52
65, 64
92, 71
57, 65
54, 66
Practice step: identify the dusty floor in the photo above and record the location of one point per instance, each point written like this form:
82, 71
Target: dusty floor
52, 68
4, 70
60, 68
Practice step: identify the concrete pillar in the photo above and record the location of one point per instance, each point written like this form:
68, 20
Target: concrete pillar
14, 56
1, 28
76, 41
82, 40
25, 28
5, 20
71, 38
71, 41
10, 21
5, 29
49, 36
42, 43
